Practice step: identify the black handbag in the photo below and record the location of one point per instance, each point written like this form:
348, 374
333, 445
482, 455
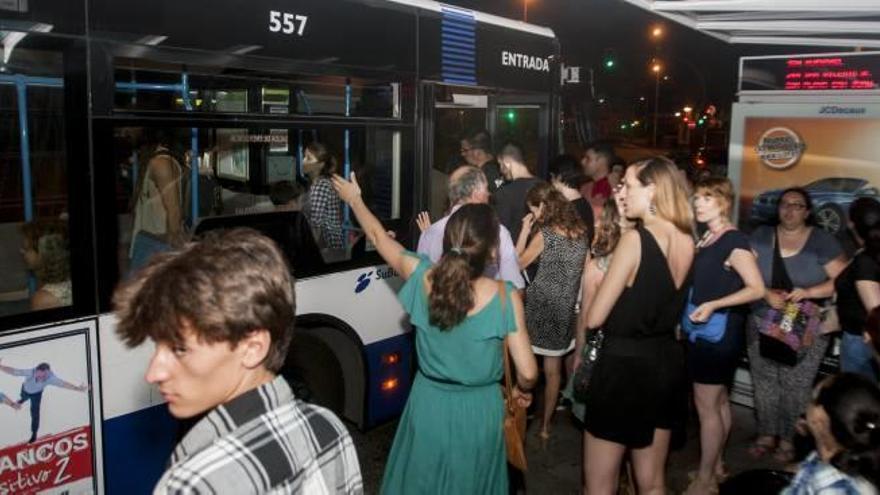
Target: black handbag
589, 358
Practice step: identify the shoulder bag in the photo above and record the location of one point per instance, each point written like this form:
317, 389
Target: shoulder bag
514, 415
784, 332
711, 330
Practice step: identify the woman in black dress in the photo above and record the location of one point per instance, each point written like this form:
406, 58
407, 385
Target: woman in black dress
638, 389
726, 278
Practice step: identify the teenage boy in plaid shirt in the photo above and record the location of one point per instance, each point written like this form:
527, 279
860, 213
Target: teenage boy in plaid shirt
221, 314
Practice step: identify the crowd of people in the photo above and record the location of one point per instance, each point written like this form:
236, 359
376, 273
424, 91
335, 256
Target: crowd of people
518, 266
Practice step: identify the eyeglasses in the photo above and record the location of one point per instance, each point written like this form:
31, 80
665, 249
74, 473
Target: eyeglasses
792, 206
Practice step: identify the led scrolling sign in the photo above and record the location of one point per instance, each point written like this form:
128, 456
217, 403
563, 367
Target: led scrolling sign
832, 72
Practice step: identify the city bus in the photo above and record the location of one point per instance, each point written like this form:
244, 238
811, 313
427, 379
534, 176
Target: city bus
132, 127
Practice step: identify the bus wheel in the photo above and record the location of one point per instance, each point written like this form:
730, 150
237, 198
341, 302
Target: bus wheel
314, 373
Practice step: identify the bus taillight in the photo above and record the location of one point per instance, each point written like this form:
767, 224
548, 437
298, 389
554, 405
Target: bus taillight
390, 358
389, 384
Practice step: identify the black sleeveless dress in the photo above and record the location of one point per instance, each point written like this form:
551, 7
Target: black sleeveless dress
639, 381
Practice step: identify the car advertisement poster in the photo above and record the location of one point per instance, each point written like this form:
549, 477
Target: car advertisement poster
50, 439
835, 159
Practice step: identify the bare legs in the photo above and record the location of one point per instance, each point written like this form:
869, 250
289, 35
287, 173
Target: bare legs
553, 377
602, 465
713, 408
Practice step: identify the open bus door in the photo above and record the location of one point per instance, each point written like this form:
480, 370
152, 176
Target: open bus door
451, 113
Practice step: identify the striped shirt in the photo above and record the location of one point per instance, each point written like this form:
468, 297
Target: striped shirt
265, 441
819, 478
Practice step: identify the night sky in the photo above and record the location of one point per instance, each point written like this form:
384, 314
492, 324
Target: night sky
701, 69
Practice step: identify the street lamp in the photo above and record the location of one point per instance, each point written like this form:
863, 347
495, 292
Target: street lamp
656, 68
688, 109
657, 32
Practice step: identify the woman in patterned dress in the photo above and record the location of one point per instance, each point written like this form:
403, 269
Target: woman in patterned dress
561, 243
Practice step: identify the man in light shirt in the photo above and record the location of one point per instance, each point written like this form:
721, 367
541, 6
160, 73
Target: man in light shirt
468, 185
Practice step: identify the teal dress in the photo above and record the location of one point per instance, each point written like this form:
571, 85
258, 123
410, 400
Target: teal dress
450, 438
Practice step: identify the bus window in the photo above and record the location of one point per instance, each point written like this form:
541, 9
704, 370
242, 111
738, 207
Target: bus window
246, 172
34, 246
520, 124
157, 86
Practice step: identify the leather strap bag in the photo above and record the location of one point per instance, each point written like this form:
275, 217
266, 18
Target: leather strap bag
514, 415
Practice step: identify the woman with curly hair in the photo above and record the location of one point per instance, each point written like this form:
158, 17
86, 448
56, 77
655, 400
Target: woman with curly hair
562, 244
46, 254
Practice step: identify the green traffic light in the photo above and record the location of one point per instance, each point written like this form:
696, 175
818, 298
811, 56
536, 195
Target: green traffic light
609, 63
511, 115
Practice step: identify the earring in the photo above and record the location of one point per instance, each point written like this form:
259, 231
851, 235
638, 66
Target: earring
652, 209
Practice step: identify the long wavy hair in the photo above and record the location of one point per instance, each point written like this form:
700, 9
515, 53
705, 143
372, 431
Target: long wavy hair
49, 239
558, 212
671, 192
469, 244
608, 233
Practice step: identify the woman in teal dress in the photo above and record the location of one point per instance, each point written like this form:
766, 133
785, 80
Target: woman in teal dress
450, 438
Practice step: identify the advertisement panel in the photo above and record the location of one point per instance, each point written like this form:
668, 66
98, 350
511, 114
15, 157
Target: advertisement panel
835, 157
49, 408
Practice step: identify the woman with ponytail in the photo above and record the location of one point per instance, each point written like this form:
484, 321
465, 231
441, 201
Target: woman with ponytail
844, 419
449, 439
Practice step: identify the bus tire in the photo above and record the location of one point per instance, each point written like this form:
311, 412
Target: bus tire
314, 372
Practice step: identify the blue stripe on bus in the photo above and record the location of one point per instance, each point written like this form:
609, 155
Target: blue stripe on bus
385, 405
453, 49
454, 57
136, 449
456, 35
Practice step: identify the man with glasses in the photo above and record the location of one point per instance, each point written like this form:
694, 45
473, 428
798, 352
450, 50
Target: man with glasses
476, 150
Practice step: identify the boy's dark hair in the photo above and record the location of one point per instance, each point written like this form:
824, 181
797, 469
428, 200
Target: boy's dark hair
223, 287
284, 192
43, 367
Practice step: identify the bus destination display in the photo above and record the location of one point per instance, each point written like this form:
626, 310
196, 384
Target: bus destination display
832, 72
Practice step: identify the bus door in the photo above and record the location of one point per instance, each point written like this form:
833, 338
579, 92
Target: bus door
451, 112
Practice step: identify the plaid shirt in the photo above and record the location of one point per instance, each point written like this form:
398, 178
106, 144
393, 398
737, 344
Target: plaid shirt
265, 441
326, 213
817, 477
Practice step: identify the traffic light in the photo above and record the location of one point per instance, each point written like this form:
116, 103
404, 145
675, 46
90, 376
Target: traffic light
510, 115
609, 61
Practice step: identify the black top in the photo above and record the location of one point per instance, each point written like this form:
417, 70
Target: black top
713, 279
585, 210
493, 175
850, 311
510, 203
651, 307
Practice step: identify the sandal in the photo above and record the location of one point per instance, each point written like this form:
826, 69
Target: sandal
698, 488
759, 449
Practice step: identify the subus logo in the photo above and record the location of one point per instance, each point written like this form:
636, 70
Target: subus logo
362, 282
780, 148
